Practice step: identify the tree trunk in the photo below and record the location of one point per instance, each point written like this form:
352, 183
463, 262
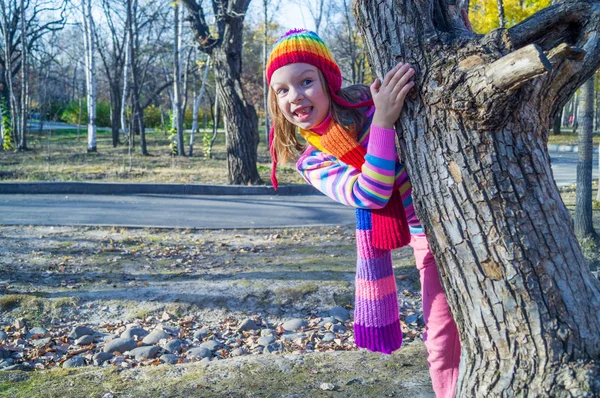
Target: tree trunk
177, 108
474, 140
584, 226
126, 66
197, 106
241, 121
90, 73
557, 122
501, 19
22, 146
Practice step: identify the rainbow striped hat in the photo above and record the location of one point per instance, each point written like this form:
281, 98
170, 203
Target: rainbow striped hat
301, 45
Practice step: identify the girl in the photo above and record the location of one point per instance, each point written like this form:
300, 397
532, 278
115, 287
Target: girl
351, 157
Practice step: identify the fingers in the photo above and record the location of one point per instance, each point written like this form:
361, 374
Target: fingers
396, 79
390, 75
375, 87
404, 91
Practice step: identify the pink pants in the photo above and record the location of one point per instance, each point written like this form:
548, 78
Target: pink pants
441, 336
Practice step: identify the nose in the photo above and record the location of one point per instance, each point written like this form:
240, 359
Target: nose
295, 95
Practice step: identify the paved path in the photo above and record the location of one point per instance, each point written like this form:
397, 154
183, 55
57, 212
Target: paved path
202, 211
182, 211
564, 167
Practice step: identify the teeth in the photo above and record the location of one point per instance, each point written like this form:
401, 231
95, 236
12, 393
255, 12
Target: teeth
303, 111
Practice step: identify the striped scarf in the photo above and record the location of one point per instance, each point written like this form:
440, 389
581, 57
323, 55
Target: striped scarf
376, 315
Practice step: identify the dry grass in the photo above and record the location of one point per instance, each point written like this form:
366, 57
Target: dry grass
59, 156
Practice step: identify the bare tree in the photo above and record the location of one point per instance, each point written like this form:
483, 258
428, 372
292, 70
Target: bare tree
241, 121
34, 19
474, 140
197, 105
177, 94
90, 70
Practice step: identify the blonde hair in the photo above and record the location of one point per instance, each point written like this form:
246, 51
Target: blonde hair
285, 140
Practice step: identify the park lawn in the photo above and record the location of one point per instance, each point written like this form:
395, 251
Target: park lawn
567, 137
60, 155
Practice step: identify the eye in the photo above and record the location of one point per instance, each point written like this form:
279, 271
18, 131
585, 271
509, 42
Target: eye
306, 82
281, 91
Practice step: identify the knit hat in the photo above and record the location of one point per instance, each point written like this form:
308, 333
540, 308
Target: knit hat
301, 45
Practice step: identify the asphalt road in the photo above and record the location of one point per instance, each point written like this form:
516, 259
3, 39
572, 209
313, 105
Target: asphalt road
202, 211
169, 211
564, 167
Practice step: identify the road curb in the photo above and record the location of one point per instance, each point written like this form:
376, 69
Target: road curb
116, 188
566, 148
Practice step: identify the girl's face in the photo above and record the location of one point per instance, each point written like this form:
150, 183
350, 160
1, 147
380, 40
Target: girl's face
301, 94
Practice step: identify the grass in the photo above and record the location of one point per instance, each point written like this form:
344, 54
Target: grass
567, 137
58, 155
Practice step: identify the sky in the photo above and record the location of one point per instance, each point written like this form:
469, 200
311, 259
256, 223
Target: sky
290, 14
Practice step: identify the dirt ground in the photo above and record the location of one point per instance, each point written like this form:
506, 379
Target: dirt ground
108, 278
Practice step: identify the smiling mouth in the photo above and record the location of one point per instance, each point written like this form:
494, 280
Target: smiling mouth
303, 112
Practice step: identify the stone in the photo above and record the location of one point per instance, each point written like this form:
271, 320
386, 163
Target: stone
41, 343
108, 337
74, 362
211, 345
79, 331
236, 352
294, 324
325, 321
39, 331
120, 345
338, 328
199, 353
328, 337
155, 336
20, 366
292, 336
19, 323
145, 352
101, 357
170, 359
4, 353
85, 340
172, 330
129, 333
266, 340
201, 334
411, 319
173, 346
267, 332
3, 335
272, 348
248, 324
339, 313
327, 387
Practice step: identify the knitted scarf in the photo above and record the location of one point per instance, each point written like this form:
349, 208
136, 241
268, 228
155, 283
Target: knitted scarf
376, 315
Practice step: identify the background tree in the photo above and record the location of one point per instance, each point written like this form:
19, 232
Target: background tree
241, 122
474, 141
584, 227
89, 40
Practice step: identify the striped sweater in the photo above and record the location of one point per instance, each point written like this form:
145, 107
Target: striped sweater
369, 188
376, 315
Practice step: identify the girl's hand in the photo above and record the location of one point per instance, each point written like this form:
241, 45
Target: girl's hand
389, 95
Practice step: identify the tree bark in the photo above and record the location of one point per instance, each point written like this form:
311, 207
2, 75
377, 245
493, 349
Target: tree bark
557, 122
22, 146
177, 108
90, 72
473, 136
241, 121
584, 226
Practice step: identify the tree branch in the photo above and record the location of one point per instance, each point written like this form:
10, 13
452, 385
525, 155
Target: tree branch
517, 68
200, 27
